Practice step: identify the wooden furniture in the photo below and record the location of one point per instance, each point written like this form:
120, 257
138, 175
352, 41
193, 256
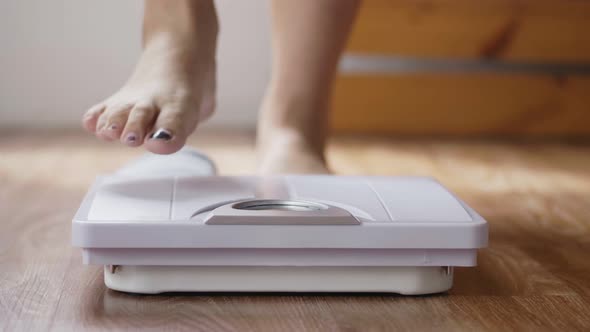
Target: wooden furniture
533, 276
468, 68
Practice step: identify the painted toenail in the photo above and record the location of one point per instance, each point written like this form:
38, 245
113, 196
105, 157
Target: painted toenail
161, 134
114, 126
131, 138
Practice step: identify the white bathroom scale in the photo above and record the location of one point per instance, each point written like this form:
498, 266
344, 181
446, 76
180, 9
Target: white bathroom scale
169, 224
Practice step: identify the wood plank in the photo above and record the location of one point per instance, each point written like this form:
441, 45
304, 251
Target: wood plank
462, 104
533, 276
526, 30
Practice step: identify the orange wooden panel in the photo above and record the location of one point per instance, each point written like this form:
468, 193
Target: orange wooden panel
525, 30
462, 104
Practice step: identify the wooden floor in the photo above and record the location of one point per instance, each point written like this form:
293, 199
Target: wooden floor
535, 275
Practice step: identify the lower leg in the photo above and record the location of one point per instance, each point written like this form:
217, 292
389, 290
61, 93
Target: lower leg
308, 38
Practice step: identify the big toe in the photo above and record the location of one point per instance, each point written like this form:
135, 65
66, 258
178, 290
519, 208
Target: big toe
90, 118
171, 129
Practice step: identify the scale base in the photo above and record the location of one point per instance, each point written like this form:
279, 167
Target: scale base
407, 280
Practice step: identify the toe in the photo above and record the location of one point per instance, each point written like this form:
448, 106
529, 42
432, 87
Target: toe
101, 127
112, 121
172, 127
140, 120
91, 116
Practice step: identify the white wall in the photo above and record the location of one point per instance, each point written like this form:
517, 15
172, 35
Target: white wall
59, 57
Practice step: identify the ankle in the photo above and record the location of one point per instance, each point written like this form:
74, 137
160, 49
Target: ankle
192, 23
297, 119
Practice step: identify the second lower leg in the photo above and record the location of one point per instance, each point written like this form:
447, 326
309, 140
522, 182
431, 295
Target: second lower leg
308, 38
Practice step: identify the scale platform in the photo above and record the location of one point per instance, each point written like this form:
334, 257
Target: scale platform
169, 224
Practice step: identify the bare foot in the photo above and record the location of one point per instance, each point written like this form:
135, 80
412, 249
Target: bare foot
286, 148
172, 88
287, 153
